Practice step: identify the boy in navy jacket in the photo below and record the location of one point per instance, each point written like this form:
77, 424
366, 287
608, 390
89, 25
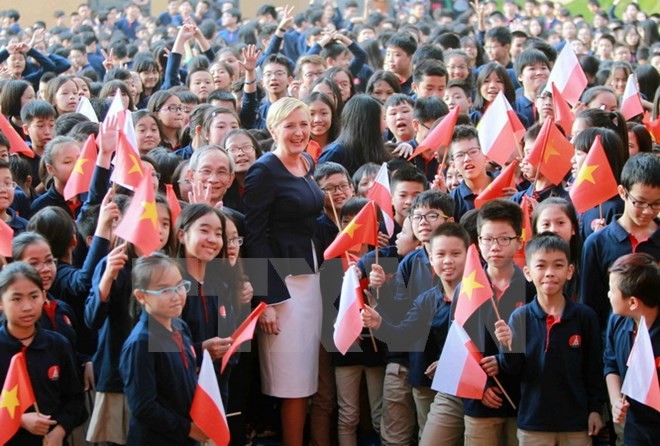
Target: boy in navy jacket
556, 347
634, 284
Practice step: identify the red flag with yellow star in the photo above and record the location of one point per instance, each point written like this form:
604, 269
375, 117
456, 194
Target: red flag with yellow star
526, 235
17, 396
551, 152
362, 229
653, 126
475, 287
16, 144
81, 175
563, 114
595, 182
173, 202
128, 166
140, 223
507, 178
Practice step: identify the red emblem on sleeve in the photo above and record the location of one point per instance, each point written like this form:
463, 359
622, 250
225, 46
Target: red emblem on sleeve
54, 373
575, 341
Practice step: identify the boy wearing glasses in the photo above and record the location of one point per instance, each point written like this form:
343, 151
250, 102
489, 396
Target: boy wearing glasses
335, 181
470, 162
637, 230
492, 420
414, 276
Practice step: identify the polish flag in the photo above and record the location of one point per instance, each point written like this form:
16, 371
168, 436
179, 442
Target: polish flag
380, 193
458, 372
349, 325
500, 130
631, 103
641, 381
85, 107
207, 411
568, 76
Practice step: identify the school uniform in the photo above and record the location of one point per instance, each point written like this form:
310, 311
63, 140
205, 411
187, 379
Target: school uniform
54, 377
184, 152
609, 210
429, 167
463, 199
526, 111
600, 250
540, 195
642, 422
53, 198
560, 362
336, 152
16, 222
158, 368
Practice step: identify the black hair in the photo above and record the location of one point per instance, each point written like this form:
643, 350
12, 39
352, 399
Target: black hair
267, 10
324, 170
569, 210
398, 99
364, 170
451, 229
56, 226
385, 76
648, 79
404, 41
612, 145
144, 269
17, 270
335, 121
639, 276
547, 242
166, 162
10, 98
352, 207
81, 131
535, 43
37, 109
469, 222
88, 220
614, 120
408, 173
64, 123
503, 211
429, 109
427, 52
221, 95
644, 140
429, 68
20, 243
493, 67
589, 65
463, 85
280, 60
462, 132
333, 50
434, 199
529, 58
644, 169
189, 215
500, 34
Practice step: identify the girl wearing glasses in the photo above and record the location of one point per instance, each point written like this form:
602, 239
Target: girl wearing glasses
168, 108
109, 311
158, 357
244, 149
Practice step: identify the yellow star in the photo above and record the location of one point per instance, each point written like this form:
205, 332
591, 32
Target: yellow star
9, 400
150, 212
351, 228
79, 165
137, 167
549, 151
525, 235
586, 174
470, 284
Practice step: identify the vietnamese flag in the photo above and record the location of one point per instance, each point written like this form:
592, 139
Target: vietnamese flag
380, 193
81, 175
563, 113
595, 182
140, 223
243, 333
17, 396
500, 130
475, 287
631, 102
314, 150
16, 144
128, 170
568, 76
6, 239
507, 178
458, 372
652, 126
551, 153
526, 235
348, 325
173, 202
440, 136
641, 381
207, 410
362, 229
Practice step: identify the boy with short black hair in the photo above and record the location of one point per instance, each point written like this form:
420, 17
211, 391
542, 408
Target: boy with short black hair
458, 94
277, 72
399, 51
399, 117
335, 181
406, 184
637, 230
634, 284
556, 349
430, 79
533, 70
426, 114
39, 124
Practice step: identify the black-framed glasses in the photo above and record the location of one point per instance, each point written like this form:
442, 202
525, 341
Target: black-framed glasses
431, 217
236, 241
344, 187
642, 204
248, 148
502, 241
173, 108
472, 153
168, 293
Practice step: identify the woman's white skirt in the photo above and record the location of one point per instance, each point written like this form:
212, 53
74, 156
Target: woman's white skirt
289, 360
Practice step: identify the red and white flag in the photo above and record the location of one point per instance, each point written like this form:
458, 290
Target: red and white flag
631, 102
641, 381
458, 372
349, 325
85, 108
500, 130
207, 411
568, 76
381, 194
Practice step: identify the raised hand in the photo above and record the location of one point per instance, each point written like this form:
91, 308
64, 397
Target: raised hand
250, 57
108, 59
287, 18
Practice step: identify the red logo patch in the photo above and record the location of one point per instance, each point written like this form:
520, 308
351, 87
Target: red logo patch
54, 373
67, 320
223, 311
575, 341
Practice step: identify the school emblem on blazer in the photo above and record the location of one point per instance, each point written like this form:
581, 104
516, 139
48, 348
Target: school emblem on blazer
575, 341
223, 311
54, 373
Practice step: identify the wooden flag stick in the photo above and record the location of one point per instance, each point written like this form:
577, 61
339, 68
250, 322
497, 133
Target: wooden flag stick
506, 395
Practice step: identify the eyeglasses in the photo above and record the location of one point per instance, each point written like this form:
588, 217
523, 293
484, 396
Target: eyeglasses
431, 217
236, 241
278, 73
502, 241
343, 187
208, 173
643, 204
245, 149
173, 108
8, 185
49, 263
168, 293
471, 153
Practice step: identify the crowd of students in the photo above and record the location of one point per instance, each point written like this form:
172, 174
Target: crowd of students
271, 132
